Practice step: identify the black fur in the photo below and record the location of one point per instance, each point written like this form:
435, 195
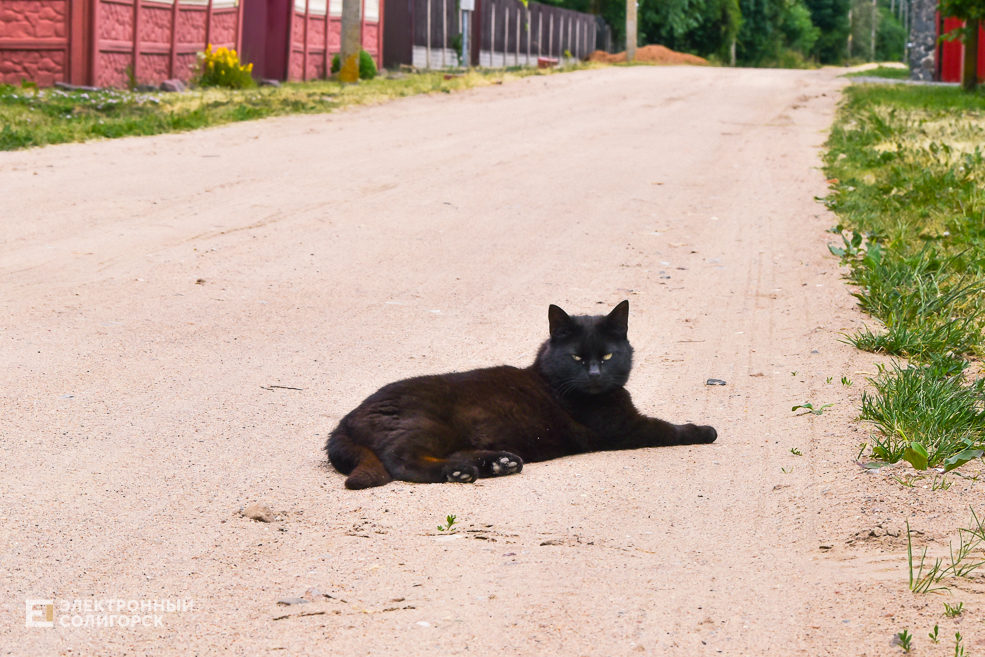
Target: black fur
488, 422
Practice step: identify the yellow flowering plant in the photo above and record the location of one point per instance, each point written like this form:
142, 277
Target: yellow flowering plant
221, 68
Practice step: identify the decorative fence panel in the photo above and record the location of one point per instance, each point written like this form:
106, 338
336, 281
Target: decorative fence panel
166, 40
502, 33
312, 27
109, 43
513, 35
36, 40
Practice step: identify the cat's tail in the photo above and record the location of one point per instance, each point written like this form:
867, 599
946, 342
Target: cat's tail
364, 468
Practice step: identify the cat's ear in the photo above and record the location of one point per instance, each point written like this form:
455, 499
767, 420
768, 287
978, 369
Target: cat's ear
618, 320
561, 324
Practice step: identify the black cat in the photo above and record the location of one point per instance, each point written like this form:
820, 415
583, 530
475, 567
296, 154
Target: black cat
486, 423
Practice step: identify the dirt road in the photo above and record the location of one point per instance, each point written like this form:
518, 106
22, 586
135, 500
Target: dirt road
186, 317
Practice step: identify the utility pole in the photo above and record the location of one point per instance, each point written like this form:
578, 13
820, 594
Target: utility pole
630, 30
351, 41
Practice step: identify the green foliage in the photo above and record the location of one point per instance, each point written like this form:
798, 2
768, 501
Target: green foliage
37, 117
926, 417
963, 9
893, 73
450, 522
904, 639
809, 407
831, 19
953, 611
367, 67
221, 68
890, 38
775, 33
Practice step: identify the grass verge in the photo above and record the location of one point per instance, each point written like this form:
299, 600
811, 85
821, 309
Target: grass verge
908, 185
890, 72
38, 117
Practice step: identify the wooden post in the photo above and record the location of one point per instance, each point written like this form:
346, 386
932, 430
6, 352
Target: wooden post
444, 31
518, 14
506, 35
540, 33
969, 74
427, 47
550, 37
492, 35
630, 30
528, 35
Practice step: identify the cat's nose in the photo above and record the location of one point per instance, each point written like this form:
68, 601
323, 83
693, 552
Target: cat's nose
594, 371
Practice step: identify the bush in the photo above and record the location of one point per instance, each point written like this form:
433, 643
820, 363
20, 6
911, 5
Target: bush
367, 67
222, 69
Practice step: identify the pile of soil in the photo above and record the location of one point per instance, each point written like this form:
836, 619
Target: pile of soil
650, 55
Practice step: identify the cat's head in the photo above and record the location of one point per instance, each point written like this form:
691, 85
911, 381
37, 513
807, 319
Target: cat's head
587, 353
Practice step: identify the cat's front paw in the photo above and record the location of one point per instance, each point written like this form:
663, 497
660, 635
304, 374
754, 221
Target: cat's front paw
461, 474
505, 464
706, 434
692, 434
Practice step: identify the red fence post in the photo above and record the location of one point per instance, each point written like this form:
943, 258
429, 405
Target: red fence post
238, 38
174, 33
136, 39
304, 55
208, 25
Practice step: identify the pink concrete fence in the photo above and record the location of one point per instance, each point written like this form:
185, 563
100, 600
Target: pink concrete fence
105, 43
312, 20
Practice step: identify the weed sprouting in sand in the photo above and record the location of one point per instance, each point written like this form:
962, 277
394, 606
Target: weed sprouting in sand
926, 577
920, 582
953, 611
450, 522
809, 407
904, 640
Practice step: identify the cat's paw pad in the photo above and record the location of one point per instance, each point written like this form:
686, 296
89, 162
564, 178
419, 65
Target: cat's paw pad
461, 475
505, 464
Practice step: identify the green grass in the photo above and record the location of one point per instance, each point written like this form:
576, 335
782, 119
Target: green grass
891, 72
37, 117
925, 405
908, 185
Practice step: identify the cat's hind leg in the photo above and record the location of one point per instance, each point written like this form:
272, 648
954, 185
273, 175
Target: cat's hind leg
431, 470
489, 463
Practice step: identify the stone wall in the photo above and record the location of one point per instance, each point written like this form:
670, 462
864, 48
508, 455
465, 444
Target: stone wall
923, 39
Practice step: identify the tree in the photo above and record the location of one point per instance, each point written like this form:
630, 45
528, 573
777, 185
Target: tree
831, 18
775, 33
971, 12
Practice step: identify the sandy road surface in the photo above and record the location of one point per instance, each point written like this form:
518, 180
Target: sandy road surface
153, 290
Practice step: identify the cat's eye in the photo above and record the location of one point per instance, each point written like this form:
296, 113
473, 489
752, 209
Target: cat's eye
607, 357
576, 357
